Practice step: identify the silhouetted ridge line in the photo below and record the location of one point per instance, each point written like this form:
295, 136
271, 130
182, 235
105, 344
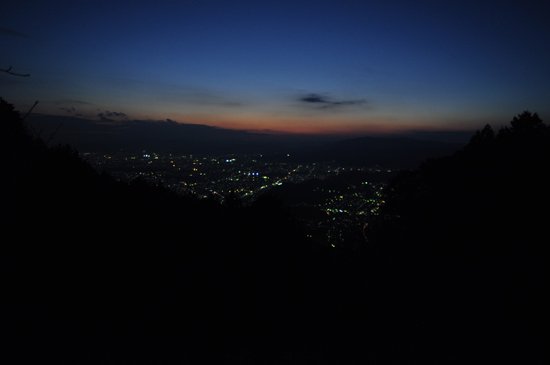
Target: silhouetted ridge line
404, 153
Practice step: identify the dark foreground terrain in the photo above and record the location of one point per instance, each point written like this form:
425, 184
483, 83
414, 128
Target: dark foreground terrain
99, 272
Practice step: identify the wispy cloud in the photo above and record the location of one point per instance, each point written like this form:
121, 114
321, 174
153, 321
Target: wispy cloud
107, 114
12, 32
324, 102
75, 102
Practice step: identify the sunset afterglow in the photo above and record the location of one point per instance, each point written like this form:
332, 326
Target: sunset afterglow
325, 67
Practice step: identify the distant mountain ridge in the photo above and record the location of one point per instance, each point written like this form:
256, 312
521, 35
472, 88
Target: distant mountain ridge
372, 151
108, 135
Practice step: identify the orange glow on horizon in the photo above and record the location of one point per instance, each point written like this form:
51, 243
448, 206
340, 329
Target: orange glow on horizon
311, 126
299, 125
312, 123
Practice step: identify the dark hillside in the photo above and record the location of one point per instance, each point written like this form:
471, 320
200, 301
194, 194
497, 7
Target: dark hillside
97, 271
467, 237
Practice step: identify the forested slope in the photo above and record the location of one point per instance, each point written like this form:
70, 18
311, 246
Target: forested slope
97, 271
467, 237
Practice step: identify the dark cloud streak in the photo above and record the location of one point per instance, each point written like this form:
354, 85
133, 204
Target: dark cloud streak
13, 33
75, 102
107, 114
326, 102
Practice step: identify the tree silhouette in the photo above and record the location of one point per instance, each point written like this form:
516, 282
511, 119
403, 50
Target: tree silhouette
527, 125
467, 232
482, 138
476, 176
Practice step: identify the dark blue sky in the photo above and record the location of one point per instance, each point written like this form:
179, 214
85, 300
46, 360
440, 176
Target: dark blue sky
348, 67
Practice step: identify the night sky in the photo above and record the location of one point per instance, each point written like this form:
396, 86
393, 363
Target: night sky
340, 67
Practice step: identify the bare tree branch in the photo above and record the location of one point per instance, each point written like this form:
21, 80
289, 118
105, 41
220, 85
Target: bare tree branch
8, 70
54, 133
30, 110
37, 134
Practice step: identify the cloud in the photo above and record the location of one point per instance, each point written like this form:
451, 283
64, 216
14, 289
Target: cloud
13, 33
313, 98
68, 110
325, 102
75, 102
107, 114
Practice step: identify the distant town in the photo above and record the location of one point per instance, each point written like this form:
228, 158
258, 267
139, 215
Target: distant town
328, 197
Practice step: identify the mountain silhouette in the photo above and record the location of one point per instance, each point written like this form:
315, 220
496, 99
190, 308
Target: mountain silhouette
405, 153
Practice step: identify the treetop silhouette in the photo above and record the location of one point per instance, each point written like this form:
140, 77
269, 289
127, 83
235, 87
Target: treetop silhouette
484, 175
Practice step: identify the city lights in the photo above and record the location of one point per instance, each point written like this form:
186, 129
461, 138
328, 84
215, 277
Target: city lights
343, 203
